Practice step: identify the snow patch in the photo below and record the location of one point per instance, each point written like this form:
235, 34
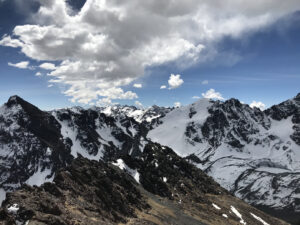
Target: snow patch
177, 121
40, 177
134, 173
215, 206
71, 132
259, 219
236, 212
13, 209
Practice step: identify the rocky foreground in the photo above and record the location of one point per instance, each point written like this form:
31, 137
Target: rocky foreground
157, 187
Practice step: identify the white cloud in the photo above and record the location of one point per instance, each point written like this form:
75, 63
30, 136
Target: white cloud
48, 66
38, 74
20, 65
9, 42
94, 49
138, 85
50, 85
259, 105
83, 93
163, 87
212, 94
104, 102
138, 104
175, 81
204, 82
196, 97
177, 104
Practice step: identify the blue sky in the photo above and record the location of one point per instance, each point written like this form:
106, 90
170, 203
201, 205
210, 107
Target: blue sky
252, 64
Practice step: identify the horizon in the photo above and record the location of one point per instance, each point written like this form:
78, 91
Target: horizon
245, 51
145, 108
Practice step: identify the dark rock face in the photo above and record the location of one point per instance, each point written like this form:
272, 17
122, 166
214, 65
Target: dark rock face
164, 173
86, 192
30, 141
289, 108
234, 117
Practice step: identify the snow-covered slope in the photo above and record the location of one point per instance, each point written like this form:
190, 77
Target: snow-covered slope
178, 129
254, 154
146, 116
96, 135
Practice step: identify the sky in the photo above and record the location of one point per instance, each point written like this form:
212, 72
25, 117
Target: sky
59, 53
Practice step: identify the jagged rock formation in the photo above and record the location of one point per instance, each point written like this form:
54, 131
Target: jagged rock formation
30, 143
253, 154
90, 192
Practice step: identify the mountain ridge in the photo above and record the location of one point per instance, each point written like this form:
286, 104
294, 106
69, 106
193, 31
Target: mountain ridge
242, 148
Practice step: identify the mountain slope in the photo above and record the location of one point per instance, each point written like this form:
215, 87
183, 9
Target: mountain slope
90, 192
251, 153
31, 144
34, 143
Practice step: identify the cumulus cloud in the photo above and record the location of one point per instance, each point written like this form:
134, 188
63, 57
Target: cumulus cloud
83, 93
163, 87
94, 49
38, 74
204, 82
20, 65
175, 81
137, 85
48, 66
177, 104
212, 94
9, 42
259, 105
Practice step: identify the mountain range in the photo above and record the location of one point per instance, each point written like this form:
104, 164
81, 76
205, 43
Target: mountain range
253, 154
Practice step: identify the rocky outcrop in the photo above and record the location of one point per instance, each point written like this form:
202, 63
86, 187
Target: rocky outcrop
86, 192
164, 173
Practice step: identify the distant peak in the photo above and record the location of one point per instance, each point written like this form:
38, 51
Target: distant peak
233, 101
26, 106
13, 100
298, 96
